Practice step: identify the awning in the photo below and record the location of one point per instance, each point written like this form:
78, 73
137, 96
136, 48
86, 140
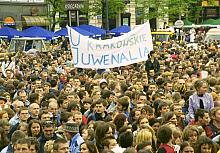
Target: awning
28, 21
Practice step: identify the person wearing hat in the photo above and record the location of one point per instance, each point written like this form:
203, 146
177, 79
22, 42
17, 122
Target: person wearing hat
3, 101
103, 84
72, 134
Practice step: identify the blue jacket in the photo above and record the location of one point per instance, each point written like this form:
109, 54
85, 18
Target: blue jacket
75, 143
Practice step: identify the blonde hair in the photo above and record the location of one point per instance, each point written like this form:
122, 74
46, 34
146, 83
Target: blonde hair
144, 135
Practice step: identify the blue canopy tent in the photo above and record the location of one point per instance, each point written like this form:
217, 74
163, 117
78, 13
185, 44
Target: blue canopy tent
120, 30
7, 32
39, 32
93, 29
63, 32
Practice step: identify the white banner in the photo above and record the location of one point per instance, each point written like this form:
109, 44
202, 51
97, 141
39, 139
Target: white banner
129, 48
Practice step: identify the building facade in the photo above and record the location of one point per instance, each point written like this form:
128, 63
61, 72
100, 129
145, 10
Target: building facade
23, 13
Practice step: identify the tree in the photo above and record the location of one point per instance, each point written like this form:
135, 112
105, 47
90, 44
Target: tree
98, 7
173, 8
57, 6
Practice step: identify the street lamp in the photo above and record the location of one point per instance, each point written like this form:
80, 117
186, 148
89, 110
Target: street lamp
107, 22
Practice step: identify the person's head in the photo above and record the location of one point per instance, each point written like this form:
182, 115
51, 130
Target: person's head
168, 85
70, 129
169, 117
152, 87
48, 129
164, 134
23, 114
3, 101
17, 105
34, 128
34, 109
66, 117
102, 130
23, 126
103, 84
53, 108
23, 95
60, 146
100, 106
215, 115
177, 136
4, 139
201, 86
109, 142
88, 147
77, 117
163, 107
87, 134
22, 146
73, 107
144, 135
155, 124
204, 145
44, 116
177, 109
123, 104
87, 103
185, 147
34, 145
4, 115
126, 139
191, 134
5, 125
202, 117
120, 120
143, 122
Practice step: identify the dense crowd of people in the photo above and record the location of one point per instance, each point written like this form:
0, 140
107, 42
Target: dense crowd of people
169, 103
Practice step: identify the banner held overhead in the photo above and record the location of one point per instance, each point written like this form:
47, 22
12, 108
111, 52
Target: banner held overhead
127, 49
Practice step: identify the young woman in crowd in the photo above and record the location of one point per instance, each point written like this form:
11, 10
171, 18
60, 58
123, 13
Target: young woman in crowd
205, 145
88, 147
191, 134
186, 148
34, 128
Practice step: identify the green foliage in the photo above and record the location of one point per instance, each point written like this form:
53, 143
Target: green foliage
173, 8
97, 7
56, 6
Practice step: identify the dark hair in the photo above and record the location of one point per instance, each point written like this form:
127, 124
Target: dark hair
167, 116
101, 101
72, 105
183, 145
153, 121
91, 146
164, 134
124, 102
100, 132
126, 139
203, 140
33, 97
200, 113
106, 141
29, 132
64, 116
119, 120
